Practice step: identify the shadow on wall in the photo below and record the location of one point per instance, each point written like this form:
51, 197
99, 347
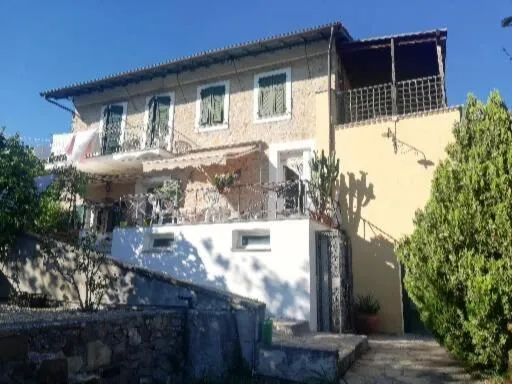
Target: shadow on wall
375, 266
182, 261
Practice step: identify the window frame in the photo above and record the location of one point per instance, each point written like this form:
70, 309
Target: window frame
238, 236
170, 123
288, 89
215, 127
124, 104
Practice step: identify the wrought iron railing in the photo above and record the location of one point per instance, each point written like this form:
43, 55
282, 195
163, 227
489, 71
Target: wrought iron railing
412, 96
207, 205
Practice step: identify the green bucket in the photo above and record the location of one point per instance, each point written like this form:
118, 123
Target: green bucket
267, 331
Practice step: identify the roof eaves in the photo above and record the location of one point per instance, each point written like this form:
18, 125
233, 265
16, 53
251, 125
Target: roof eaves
92, 84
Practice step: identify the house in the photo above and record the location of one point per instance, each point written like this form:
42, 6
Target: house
199, 166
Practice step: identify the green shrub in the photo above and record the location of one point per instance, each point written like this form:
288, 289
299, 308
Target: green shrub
367, 304
458, 260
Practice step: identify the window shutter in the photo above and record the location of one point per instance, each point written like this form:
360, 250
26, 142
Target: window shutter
112, 132
205, 107
265, 96
162, 118
218, 94
150, 132
279, 87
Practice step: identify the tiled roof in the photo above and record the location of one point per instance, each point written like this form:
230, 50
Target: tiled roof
206, 58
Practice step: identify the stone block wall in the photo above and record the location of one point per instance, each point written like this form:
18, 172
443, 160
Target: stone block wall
117, 347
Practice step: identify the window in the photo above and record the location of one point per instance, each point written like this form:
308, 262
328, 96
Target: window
272, 96
159, 121
212, 106
113, 119
251, 240
163, 242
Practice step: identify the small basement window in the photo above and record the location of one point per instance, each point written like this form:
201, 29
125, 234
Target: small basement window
163, 242
252, 240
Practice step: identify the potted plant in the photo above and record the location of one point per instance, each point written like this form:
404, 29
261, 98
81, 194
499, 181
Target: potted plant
223, 181
324, 174
367, 318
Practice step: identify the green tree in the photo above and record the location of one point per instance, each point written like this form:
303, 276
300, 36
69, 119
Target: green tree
18, 195
458, 260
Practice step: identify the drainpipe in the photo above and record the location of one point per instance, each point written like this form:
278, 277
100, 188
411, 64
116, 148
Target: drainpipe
329, 70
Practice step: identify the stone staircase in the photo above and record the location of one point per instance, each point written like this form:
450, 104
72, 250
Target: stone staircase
298, 355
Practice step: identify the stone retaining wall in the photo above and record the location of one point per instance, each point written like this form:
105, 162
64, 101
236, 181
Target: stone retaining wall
121, 347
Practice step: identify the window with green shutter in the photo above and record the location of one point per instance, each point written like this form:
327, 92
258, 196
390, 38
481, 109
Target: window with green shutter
112, 128
158, 121
211, 107
272, 95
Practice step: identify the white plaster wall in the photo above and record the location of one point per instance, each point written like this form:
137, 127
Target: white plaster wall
203, 254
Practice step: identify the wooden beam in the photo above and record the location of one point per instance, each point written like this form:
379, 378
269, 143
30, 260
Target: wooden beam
440, 64
393, 78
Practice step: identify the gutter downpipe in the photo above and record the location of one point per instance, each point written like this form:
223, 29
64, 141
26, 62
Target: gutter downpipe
329, 70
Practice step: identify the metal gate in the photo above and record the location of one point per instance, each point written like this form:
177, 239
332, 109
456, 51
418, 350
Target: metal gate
335, 298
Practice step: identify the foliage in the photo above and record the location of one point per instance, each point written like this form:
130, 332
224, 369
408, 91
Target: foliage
57, 208
82, 267
170, 190
324, 173
367, 304
18, 196
458, 260
223, 181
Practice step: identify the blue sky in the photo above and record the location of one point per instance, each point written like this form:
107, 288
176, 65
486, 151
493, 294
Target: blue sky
47, 44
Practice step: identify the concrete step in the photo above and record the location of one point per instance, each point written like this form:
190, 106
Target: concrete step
290, 327
314, 357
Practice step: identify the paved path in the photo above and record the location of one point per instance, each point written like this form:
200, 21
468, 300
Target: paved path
406, 360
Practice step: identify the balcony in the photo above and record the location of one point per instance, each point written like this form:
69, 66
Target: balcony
374, 102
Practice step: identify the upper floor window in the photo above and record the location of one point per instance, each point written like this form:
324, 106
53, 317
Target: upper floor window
158, 121
212, 106
273, 96
113, 120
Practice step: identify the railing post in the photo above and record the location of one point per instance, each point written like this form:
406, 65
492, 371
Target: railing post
441, 66
393, 79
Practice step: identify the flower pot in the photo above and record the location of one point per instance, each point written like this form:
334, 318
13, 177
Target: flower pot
367, 324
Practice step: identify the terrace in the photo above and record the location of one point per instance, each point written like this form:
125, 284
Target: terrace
387, 77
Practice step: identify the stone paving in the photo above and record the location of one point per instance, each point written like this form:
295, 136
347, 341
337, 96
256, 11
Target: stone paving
406, 360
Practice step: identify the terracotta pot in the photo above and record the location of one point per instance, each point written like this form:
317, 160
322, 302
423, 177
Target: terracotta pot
367, 324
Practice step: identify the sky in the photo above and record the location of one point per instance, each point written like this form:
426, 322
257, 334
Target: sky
48, 44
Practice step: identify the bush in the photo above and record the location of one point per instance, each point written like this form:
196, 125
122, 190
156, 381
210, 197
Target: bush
458, 260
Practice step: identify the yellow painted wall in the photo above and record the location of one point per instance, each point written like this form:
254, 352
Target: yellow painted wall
379, 193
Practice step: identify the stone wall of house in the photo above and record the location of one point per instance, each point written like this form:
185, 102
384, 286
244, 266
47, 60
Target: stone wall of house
308, 73
166, 346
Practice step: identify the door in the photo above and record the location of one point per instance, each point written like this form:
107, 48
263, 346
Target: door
323, 269
158, 134
412, 320
112, 120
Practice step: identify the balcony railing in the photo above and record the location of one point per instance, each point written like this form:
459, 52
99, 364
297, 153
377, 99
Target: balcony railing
412, 96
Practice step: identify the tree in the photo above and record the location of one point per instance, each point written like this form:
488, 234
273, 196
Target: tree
458, 260
18, 196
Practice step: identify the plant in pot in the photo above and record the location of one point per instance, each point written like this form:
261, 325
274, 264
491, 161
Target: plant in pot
367, 318
223, 181
324, 173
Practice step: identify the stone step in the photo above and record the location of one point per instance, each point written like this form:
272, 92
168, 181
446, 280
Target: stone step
290, 327
313, 357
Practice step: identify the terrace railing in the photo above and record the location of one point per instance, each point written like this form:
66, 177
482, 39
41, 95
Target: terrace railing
412, 96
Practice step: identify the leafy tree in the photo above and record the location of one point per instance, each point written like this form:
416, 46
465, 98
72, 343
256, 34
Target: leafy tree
18, 196
458, 260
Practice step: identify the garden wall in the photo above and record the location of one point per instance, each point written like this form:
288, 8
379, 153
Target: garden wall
165, 346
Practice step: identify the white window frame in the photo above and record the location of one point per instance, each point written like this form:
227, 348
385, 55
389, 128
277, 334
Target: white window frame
124, 104
215, 127
170, 123
288, 114
239, 234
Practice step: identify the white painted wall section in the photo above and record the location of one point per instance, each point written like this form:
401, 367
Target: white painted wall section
206, 254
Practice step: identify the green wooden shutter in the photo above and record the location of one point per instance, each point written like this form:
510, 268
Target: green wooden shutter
113, 129
205, 107
279, 87
218, 94
265, 96
150, 131
162, 118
